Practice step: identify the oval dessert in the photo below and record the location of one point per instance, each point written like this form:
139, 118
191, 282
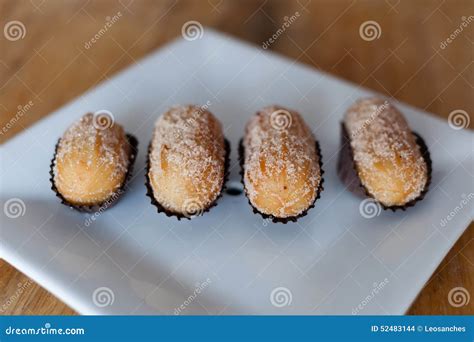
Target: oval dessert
92, 162
281, 164
186, 161
389, 161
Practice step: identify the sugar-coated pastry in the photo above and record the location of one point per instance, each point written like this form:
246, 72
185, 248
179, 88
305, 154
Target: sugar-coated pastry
281, 164
390, 162
186, 161
92, 162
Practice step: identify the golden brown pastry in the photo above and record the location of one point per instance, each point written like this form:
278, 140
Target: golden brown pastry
187, 161
281, 167
390, 162
91, 163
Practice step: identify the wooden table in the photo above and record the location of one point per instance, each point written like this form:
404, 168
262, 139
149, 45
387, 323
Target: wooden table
51, 66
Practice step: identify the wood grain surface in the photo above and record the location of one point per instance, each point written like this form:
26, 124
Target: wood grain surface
50, 65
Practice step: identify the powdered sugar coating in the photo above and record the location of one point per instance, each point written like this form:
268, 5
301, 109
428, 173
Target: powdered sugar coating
387, 158
187, 159
281, 164
91, 162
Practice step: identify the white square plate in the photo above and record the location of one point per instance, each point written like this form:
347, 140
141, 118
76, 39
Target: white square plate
132, 260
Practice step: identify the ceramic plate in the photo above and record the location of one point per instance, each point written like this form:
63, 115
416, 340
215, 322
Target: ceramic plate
342, 258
